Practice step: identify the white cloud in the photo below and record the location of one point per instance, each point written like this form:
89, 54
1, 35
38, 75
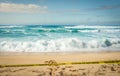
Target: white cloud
22, 8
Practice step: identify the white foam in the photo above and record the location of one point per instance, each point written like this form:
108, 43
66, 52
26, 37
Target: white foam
88, 30
95, 26
101, 30
58, 45
111, 30
10, 26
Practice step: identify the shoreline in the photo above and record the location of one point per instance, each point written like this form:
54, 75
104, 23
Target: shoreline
63, 52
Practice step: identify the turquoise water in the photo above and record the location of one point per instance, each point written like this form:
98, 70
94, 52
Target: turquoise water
59, 38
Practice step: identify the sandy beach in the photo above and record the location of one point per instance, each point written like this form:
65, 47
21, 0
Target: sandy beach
35, 58
59, 37
60, 70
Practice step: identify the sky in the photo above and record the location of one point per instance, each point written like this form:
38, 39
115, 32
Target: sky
60, 12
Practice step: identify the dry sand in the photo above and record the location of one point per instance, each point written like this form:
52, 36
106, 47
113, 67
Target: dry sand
61, 70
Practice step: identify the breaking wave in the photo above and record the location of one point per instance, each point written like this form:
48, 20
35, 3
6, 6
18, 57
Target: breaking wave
58, 38
59, 45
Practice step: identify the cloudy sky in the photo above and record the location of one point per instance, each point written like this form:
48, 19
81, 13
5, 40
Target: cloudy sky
59, 11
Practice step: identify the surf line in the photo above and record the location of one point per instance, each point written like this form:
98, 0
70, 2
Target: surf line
52, 63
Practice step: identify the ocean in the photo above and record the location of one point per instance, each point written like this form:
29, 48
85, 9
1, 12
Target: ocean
59, 38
